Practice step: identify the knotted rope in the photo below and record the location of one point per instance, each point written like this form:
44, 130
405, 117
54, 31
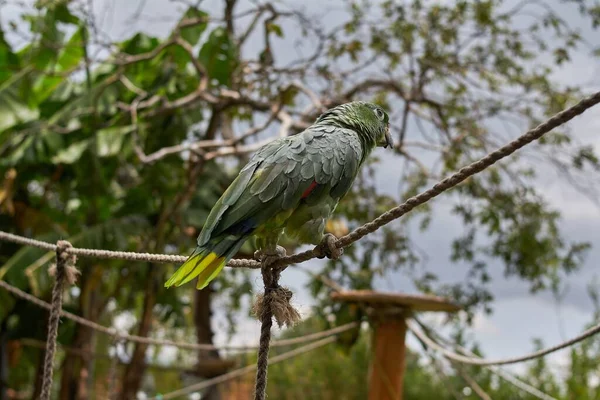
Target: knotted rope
275, 302
265, 307
328, 248
63, 270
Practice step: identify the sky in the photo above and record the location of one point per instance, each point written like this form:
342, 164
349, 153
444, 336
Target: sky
518, 316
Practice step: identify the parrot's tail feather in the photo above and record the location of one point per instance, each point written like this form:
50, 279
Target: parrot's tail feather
210, 272
206, 262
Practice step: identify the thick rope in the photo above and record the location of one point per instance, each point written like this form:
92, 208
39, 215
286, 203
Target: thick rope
245, 370
451, 355
370, 227
9, 237
63, 262
471, 382
524, 386
265, 312
275, 302
453, 180
117, 255
163, 342
357, 234
502, 373
499, 371
262, 363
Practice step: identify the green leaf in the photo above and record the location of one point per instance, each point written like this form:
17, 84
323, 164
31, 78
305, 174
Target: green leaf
110, 234
8, 303
42, 52
218, 55
140, 43
274, 28
9, 60
14, 110
193, 32
69, 57
483, 12
103, 93
71, 154
62, 14
110, 140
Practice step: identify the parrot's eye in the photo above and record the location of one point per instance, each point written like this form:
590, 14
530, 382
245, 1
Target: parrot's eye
380, 114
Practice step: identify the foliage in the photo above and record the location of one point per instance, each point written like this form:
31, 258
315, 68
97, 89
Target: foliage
129, 150
332, 373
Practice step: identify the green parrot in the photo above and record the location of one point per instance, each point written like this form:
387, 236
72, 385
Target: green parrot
292, 184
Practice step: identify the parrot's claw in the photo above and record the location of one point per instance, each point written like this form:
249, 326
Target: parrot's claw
327, 247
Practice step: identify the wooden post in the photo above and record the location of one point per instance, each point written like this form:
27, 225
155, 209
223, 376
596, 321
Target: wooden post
388, 313
387, 363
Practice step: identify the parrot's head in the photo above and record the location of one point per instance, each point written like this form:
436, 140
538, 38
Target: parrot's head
368, 119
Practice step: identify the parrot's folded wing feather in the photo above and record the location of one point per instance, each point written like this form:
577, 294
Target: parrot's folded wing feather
236, 189
278, 176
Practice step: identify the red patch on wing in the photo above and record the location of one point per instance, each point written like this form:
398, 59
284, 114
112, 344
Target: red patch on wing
309, 190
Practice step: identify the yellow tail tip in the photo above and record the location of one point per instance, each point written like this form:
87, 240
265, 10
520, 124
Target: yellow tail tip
204, 266
210, 272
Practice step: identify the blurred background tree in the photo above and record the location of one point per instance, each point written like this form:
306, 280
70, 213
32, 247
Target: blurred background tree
126, 144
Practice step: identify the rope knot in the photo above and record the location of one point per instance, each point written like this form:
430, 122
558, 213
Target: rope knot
67, 260
328, 248
277, 302
62, 247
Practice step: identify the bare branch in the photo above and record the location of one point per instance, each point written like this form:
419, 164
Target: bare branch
251, 26
392, 85
404, 122
317, 105
226, 144
414, 160
229, 6
202, 73
131, 87
236, 150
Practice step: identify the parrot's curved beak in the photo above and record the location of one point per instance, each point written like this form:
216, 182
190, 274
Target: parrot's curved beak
388, 139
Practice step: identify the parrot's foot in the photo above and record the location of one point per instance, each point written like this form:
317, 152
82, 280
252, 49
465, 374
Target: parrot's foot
327, 248
263, 255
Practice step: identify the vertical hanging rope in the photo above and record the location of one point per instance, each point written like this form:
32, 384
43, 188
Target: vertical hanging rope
275, 302
63, 270
270, 280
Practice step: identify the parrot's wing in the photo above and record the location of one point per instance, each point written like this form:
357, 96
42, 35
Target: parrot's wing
321, 160
236, 188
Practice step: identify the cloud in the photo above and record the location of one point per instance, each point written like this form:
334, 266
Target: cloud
483, 324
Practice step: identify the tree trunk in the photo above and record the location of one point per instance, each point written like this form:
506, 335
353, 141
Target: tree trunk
3, 361
204, 333
134, 371
75, 377
74, 381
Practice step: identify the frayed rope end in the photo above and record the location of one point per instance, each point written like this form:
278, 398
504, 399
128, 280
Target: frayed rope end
282, 309
71, 273
69, 260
